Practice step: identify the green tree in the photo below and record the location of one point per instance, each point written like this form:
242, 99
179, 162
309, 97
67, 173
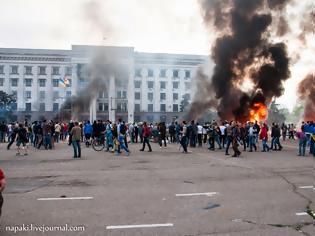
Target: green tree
6, 101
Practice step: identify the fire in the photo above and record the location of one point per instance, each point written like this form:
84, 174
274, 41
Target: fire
258, 112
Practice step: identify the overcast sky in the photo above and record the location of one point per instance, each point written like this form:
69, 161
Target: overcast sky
173, 26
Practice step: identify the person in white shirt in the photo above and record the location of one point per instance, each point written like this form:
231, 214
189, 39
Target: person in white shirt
200, 132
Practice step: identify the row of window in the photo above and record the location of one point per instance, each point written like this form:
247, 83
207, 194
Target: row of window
163, 85
119, 94
162, 73
162, 96
28, 70
41, 107
42, 94
123, 107
29, 82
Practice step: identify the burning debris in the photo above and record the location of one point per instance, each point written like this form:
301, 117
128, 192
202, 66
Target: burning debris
306, 91
243, 52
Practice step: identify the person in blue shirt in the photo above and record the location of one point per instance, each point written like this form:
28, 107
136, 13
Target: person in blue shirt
87, 130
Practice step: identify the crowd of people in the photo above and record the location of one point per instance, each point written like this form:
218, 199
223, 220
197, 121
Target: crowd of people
116, 135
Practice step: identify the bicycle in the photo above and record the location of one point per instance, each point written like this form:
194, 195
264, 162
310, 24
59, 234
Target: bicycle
98, 143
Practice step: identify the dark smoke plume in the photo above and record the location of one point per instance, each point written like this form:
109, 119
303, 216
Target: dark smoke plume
307, 94
243, 50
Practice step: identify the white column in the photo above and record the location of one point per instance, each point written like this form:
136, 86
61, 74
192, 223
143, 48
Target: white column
20, 88
112, 99
93, 110
131, 96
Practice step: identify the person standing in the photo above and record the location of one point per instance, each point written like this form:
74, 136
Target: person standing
222, 134
200, 128
302, 142
183, 140
228, 137
76, 138
21, 139
235, 138
264, 138
146, 133
87, 130
162, 134
252, 137
277, 135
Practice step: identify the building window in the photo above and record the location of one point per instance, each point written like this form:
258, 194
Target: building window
150, 96
42, 82
124, 94
187, 85
28, 70
138, 72
14, 106
121, 106
1, 69
137, 84
175, 85
137, 107
14, 82
28, 94
14, 70
42, 107
55, 107
68, 94
28, 82
103, 106
163, 108
42, 70
150, 73
137, 96
55, 83
187, 74
175, 107
150, 107
150, 84
175, 96
42, 95
1, 81
163, 73
68, 70
175, 73
103, 94
162, 96
56, 95
28, 106
163, 85
55, 70
14, 94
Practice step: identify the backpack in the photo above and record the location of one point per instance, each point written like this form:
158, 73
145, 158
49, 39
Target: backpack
123, 128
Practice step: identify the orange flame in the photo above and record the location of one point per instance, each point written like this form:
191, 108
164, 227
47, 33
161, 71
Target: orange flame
258, 112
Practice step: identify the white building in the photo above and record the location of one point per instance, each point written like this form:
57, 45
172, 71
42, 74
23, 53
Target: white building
154, 91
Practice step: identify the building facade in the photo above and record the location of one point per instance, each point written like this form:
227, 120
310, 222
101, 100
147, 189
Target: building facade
145, 86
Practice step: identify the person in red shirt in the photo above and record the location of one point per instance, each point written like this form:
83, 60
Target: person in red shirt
146, 132
2, 186
264, 137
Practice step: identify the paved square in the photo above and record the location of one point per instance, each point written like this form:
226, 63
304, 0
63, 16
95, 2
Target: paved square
160, 193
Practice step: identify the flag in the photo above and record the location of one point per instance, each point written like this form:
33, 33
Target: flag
63, 83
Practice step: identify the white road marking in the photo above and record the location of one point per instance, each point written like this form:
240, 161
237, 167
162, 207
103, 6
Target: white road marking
139, 226
306, 187
301, 214
64, 198
196, 194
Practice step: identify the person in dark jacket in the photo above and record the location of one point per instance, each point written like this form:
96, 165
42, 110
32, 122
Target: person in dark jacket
13, 136
162, 134
235, 138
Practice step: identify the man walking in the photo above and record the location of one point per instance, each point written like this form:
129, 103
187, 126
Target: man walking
146, 133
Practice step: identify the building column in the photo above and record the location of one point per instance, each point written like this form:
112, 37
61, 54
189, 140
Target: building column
131, 97
93, 110
112, 99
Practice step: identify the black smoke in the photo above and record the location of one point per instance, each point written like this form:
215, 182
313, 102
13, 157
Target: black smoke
243, 49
